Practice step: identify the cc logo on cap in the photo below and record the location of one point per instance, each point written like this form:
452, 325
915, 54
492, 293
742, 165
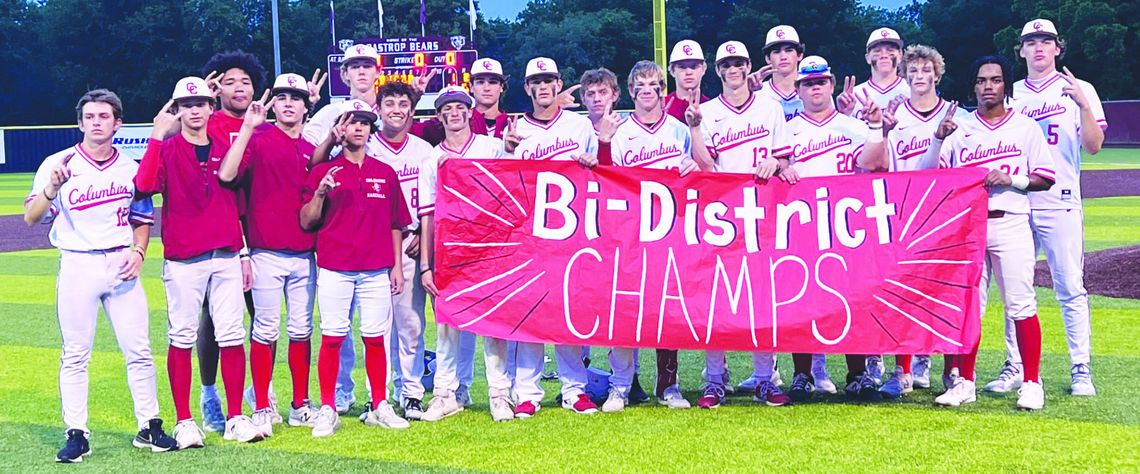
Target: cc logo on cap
357, 106
486, 64
1037, 25
780, 34
687, 49
886, 33
541, 66
292, 82
730, 48
191, 88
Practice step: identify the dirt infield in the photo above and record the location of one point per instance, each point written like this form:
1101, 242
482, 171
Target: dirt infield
1112, 272
1110, 183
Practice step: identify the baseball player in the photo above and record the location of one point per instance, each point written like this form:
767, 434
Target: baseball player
648, 138
454, 109
1069, 112
548, 133
884, 52
272, 161
201, 238
355, 205
87, 194
687, 66
600, 94
914, 125
741, 133
864, 149
487, 86
1012, 148
783, 52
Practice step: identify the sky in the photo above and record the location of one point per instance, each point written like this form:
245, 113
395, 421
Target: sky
509, 9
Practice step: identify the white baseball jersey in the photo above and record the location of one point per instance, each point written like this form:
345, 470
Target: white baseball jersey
1060, 120
317, 128
1013, 145
910, 140
477, 147
880, 95
829, 147
95, 208
406, 158
663, 145
792, 103
564, 137
739, 138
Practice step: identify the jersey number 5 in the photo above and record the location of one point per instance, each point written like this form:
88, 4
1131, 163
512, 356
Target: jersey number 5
1051, 134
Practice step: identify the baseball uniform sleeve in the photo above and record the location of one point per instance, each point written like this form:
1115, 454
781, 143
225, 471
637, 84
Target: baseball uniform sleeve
946, 158
400, 216
1037, 152
706, 133
781, 136
592, 144
426, 186
309, 188
1094, 104
317, 128
150, 178
43, 177
142, 211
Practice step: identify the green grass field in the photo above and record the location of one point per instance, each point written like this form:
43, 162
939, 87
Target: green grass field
1100, 434
1111, 159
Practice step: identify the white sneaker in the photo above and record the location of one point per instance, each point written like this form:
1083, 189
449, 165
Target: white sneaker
948, 380
385, 417
304, 416
1031, 396
1009, 379
920, 370
898, 385
251, 400
961, 391
440, 408
263, 421
672, 398
876, 368
749, 384
823, 382
501, 409
240, 428
189, 435
327, 422
1082, 381
614, 402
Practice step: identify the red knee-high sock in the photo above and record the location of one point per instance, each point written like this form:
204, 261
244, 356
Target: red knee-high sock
178, 368
376, 366
966, 364
233, 377
261, 369
328, 363
904, 362
1029, 344
299, 360
801, 363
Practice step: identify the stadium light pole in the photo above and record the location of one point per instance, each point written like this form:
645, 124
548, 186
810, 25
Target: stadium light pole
276, 43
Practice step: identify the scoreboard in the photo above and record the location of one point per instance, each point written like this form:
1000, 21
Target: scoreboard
404, 59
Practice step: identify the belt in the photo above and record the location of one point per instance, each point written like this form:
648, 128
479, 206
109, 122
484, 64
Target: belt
996, 214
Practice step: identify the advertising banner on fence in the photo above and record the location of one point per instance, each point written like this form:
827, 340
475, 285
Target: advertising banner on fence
553, 252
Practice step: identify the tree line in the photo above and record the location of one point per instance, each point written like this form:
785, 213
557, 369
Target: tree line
54, 50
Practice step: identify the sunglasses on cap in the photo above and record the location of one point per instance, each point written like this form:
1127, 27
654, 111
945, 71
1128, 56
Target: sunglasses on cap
814, 68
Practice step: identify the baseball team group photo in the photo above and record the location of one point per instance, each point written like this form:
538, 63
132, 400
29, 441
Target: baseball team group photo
567, 235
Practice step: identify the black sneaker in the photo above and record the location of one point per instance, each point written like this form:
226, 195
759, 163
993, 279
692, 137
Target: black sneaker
636, 393
802, 387
154, 438
76, 447
862, 387
413, 409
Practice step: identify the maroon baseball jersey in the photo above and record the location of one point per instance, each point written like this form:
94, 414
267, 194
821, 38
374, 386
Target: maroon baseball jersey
675, 106
274, 170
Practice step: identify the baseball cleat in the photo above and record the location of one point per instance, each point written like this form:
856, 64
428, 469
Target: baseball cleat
154, 438
327, 422
75, 448
672, 398
712, 397
303, 416
344, 402
898, 385
920, 371
501, 409
188, 435
263, 421
802, 388
581, 404
1010, 378
863, 387
822, 381
385, 417
527, 409
240, 428
1082, 381
413, 408
768, 392
636, 393
961, 391
1031, 396
614, 402
463, 396
441, 407
364, 414
876, 368
212, 417
749, 384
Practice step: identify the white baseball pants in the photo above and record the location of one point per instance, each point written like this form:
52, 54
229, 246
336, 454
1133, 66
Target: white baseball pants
292, 274
406, 350
336, 292
187, 282
1009, 262
448, 350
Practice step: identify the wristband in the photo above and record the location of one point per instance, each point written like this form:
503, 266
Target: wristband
49, 198
1019, 182
424, 271
140, 251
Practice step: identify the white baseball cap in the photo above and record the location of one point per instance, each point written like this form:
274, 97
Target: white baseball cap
780, 34
813, 67
540, 66
884, 35
731, 49
359, 51
1039, 27
487, 66
359, 107
291, 82
453, 94
686, 49
192, 87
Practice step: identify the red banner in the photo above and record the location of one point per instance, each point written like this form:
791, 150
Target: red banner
552, 252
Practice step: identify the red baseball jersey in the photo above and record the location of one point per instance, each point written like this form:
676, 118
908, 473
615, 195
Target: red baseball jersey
274, 170
359, 215
675, 106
